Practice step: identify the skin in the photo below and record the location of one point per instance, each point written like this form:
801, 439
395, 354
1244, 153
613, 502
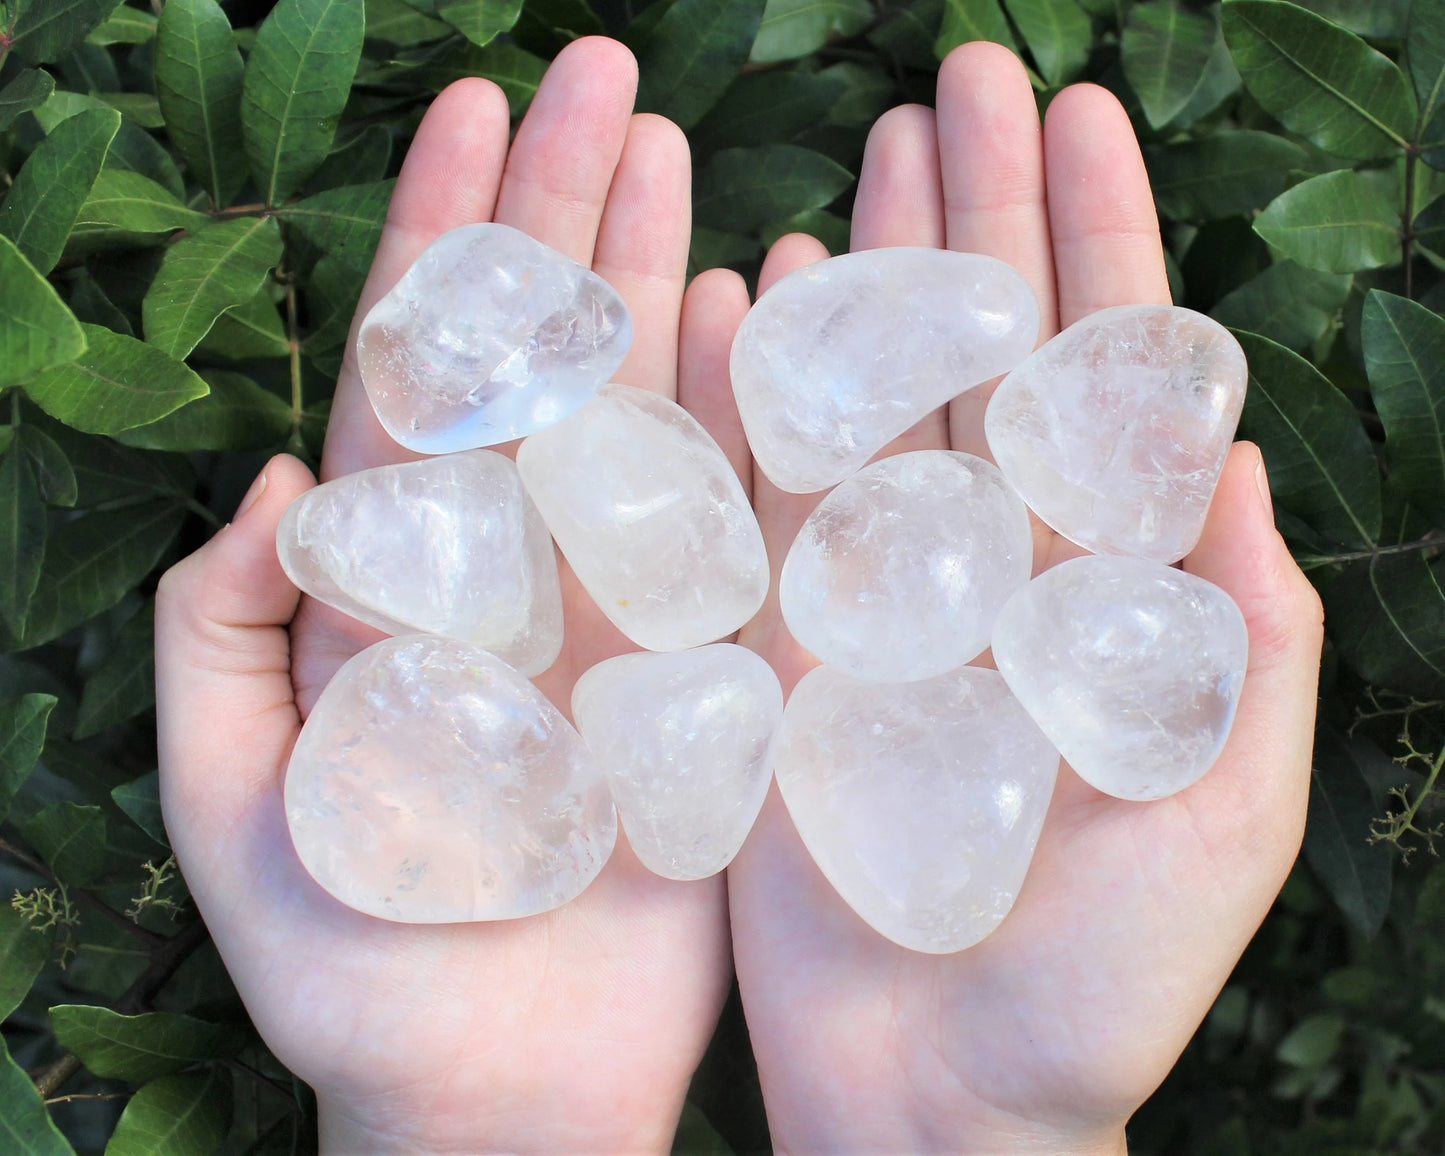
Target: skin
579, 1030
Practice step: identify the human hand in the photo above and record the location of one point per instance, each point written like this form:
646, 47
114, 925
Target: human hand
1048, 1035
577, 1030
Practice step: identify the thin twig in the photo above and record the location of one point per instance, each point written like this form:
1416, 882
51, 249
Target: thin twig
87, 1096
1311, 561
100, 907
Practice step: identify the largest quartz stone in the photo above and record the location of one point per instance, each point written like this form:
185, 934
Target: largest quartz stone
921, 801
434, 784
839, 358
489, 336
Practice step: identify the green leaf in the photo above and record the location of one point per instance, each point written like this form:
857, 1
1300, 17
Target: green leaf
133, 150
1320, 81
251, 329
45, 30
361, 161
23, 952
1287, 303
203, 275
515, 72
1220, 81
1165, 51
694, 53
22, 737
1321, 467
1387, 619
141, 107
42, 205
130, 203
1312, 1042
185, 1115
140, 799
345, 223
116, 384
125, 26
1337, 844
1375, 20
1058, 34
714, 249
52, 468
967, 20
142, 1047
1429, 226
124, 684
30, 89
480, 21
835, 232
1338, 222
26, 1128
23, 526
70, 838
743, 189
766, 107
107, 472
1221, 175
36, 329
296, 83
394, 22
1425, 52
237, 415
792, 29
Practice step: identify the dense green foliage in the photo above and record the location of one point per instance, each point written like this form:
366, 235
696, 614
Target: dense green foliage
191, 198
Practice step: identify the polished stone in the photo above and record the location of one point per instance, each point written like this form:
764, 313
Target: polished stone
489, 336
450, 545
684, 739
434, 784
1115, 432
921, 801
899, 572
1131, 667
652, 518
839, 358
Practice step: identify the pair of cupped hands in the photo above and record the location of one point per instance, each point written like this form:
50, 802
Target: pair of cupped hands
578, 1030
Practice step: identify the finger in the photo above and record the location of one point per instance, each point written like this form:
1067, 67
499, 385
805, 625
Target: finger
1101, 213
712, 310
642, 247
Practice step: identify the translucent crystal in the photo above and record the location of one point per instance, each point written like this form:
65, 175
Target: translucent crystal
899, 572
450, 545
920, 801
652, 518
434, 784
1115, 432
836, 360
1131, 667
684, 739
489, 336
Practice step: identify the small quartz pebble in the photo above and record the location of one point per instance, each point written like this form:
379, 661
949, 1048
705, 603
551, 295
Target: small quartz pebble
434, 784
920, 801
489, 336
898, 573
684, 739
839, 358
450, 545
650, 514
1115, 431
1131, 667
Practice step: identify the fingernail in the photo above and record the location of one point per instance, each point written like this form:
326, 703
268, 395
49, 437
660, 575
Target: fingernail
1261, 483
258, 487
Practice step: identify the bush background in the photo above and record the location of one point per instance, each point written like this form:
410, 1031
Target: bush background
174, 295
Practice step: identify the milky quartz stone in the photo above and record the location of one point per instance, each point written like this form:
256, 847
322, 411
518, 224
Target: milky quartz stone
684, 739
899, 572
1131, 667
920, 801
432, 783
839, 358
652, 518
450, 545
1115, 432
489, 336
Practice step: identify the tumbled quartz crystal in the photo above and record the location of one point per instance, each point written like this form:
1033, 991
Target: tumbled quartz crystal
684, 739
489, 336
450, 545
1115, 432
839, 358
899, 572
650, 514
1131, 667
432, 783
920, 801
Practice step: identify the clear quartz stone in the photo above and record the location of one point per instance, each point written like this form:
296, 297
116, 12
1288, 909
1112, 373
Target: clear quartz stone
839, 358
1115, 432
685, 741
432, 783
899, 572
489, 336
651, 516
449, 545
921, 801
1131, 667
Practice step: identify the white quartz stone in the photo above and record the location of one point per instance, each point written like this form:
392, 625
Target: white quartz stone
652, 518
684, 739
489, 336
839, 358
1115, 432
450, 545
434, 784
920, 801
1131, 667
899, 572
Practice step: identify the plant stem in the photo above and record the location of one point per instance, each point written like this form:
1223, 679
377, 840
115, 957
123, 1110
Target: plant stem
1407, 230
1311, 561
293, 342
203, 512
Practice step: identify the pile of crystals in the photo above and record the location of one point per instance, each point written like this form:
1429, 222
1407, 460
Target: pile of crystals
434, 783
